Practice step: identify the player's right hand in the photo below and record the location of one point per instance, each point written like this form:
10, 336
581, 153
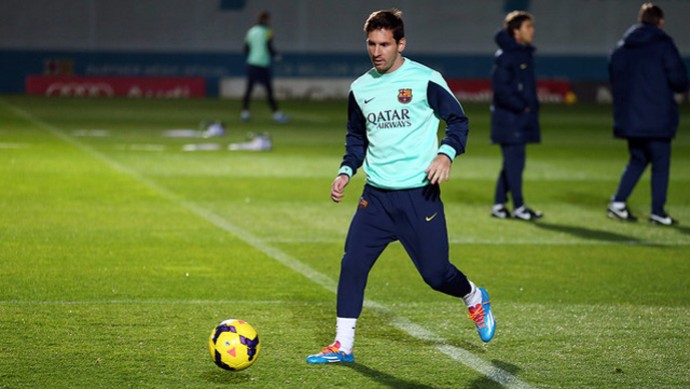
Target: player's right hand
338, 187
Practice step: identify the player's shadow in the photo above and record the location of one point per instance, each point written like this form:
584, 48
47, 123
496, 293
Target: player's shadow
683, 229
384, 378
501, 366
589, 233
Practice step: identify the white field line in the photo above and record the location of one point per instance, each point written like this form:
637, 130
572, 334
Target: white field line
13, 145
456, 353
142, 147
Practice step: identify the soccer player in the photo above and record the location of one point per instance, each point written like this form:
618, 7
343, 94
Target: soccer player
514, 111
393, 118
258, 47
645, 69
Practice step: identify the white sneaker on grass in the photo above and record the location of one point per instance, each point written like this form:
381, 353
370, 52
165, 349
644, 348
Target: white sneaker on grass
500, 211
619, 210
527, 214
664, 220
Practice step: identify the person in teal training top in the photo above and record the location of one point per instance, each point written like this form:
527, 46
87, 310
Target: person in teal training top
392, 125
258, 47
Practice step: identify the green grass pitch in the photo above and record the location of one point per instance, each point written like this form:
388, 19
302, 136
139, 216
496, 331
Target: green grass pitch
120, 251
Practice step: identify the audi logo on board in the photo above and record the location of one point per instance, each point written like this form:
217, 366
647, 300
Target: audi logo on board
80, 89
135, 87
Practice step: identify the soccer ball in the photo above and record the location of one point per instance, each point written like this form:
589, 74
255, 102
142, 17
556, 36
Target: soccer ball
234, 344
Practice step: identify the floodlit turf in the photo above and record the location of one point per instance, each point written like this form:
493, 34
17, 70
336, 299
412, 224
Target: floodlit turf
120, 251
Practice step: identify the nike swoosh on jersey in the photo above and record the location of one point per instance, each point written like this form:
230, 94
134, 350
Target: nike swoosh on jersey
366, 101
429, 218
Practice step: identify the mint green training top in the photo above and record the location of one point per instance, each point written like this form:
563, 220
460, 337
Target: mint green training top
392, 127
257, 42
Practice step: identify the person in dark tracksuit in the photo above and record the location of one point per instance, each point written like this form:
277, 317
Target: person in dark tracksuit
514, 111
258, 47
394, 112
645, 70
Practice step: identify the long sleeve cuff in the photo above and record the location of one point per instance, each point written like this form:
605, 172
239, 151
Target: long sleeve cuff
345, 170
447, 150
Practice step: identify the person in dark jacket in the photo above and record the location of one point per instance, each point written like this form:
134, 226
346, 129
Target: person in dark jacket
645, 70
514, 111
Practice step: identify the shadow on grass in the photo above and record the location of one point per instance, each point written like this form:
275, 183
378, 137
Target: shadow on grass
683, 229
486, 382
589, 233
384, 378
218, 376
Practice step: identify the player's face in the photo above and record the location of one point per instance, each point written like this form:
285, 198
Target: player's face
525, 34
384, 51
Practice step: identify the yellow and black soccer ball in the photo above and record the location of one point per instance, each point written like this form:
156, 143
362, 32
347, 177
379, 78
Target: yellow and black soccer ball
234, 344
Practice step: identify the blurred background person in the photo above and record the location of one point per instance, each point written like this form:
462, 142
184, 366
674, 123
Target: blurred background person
514, 111
258, 47
645, 70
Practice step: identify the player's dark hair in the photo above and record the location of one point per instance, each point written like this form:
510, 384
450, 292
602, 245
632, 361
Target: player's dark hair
387, 19
650, 14
263, 17
514, 21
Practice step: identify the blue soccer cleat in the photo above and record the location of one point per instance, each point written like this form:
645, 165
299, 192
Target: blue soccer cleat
280, 117
483, 317
331, 354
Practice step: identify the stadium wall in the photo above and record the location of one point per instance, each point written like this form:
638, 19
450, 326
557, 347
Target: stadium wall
318, 39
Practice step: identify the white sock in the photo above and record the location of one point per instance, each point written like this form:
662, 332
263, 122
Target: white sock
345, 333
474, 297
618, 204
497, 207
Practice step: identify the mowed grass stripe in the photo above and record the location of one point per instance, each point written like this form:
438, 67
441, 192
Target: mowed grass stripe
151, 302
499, 242
465, 357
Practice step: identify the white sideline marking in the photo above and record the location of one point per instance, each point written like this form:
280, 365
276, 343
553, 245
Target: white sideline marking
13, 145
93, 133
456, 353
141, 147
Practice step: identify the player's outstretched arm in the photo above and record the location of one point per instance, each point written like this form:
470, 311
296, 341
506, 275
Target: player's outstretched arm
439, 170
338, 187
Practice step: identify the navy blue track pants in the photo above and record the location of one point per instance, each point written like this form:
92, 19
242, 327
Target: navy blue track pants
262, 76
415, 217
510, 178
643, 152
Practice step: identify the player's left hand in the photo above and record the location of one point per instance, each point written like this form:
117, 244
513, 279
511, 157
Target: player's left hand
439, 170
